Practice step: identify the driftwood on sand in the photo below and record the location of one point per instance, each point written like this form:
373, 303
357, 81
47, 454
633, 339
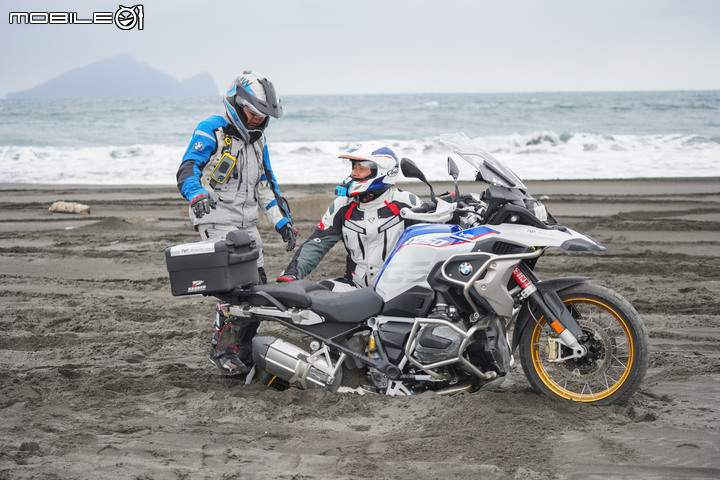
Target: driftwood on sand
69, 207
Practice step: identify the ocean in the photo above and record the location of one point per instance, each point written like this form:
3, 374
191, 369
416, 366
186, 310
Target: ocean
540, 136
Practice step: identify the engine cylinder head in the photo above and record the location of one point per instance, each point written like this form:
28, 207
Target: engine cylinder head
437, 343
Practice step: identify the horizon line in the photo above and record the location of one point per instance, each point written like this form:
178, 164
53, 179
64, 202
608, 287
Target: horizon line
396, 93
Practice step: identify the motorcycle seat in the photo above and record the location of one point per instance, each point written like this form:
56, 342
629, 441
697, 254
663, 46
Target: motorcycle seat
290, 294
346, 307
342, 307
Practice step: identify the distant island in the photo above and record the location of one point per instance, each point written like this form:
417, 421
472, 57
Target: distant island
120, 76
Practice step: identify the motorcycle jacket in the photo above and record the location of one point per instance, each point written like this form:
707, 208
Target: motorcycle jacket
235, 173
368, 230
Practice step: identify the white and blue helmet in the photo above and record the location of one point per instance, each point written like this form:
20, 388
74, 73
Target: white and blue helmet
380, 158
251, 90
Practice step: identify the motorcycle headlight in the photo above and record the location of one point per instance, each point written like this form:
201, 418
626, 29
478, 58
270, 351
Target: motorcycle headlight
538, 209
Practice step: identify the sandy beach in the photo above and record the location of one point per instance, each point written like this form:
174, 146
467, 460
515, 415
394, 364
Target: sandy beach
103, 373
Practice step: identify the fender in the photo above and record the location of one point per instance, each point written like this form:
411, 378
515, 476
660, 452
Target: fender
548, 286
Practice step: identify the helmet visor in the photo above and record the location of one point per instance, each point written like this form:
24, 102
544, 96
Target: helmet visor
254, 111
365, 163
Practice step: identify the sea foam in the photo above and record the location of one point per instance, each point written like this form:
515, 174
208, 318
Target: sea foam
537, 156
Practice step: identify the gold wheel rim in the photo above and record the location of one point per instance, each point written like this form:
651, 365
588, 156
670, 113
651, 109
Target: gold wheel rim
563, 383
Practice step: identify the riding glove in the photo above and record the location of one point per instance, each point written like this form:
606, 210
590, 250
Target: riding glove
286, 278
289, 234
201, 204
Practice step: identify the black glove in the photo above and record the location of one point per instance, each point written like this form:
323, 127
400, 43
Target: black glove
201, 204
289, 234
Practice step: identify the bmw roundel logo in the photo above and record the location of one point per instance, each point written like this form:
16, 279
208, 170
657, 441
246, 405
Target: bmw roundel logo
465, 269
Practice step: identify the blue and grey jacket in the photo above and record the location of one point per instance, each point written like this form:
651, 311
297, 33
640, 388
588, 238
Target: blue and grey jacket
236, 174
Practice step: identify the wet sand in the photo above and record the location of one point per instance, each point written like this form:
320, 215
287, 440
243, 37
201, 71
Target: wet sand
103, 373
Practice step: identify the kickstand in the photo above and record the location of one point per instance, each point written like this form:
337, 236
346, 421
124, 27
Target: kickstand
250, 376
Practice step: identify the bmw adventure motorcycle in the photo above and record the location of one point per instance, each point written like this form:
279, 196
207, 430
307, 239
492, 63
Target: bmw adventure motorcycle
455, 299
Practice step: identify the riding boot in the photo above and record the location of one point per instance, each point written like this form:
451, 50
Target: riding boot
223, 345
231, 345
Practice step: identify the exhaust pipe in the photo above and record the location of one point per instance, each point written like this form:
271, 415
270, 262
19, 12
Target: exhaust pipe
459, 388
292, 364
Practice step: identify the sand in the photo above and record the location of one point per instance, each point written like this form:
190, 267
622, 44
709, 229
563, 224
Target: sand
103, 373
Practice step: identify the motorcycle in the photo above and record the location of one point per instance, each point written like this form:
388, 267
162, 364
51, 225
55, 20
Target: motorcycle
456, 298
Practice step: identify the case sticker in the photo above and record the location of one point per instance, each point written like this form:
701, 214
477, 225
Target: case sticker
196, 248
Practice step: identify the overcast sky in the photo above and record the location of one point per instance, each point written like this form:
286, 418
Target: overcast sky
386, 46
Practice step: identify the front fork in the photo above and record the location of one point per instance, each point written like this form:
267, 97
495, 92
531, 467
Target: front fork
553, 309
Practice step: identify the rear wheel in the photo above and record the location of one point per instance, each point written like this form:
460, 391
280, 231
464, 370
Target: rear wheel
616, 342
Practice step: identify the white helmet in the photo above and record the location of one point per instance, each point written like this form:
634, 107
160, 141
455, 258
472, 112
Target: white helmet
251, 90
380, 159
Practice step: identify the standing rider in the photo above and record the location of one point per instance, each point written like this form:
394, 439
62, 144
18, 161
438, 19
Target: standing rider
365, 216
224, 174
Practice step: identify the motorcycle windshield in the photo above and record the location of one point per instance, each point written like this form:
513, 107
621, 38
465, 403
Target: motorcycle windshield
491, 170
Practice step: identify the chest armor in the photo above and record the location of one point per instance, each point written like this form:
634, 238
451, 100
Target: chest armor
234, 164
370, 233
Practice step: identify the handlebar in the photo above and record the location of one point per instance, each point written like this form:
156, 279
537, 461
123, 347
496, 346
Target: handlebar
457, 211
424, 208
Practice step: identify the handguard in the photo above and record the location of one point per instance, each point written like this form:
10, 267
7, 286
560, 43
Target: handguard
443, 212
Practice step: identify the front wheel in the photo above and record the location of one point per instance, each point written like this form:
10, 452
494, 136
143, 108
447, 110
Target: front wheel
616, 342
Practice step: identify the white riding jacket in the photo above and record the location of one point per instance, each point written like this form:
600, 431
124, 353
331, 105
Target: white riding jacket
368, 230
